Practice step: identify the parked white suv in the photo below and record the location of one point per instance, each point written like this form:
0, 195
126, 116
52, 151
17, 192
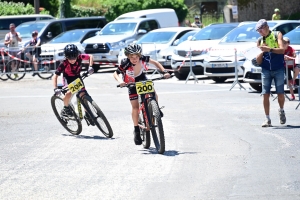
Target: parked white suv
115, 35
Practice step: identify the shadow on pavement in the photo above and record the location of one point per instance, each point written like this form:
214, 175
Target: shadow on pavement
152, 150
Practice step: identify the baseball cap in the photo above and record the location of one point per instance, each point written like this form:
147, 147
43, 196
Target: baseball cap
286, 39
276, 10
260, 24
197, 17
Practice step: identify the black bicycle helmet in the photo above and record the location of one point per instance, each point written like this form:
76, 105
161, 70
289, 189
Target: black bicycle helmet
71, 51
133, 49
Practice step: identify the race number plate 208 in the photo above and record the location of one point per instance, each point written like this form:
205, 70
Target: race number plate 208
144, 87
75, 86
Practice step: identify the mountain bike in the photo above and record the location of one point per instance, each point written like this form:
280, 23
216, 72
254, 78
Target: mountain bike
149, 115
16, 69
94, 115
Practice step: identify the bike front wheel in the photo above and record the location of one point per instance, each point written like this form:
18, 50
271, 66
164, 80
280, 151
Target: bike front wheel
15, 70
73, 126
45, 66
97, 116
156, 128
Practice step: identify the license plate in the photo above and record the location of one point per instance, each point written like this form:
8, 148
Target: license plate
219, 65
188, 64
144, 87
75, 86
256, 70
97, 57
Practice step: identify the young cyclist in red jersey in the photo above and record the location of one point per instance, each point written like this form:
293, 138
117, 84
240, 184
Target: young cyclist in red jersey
289, 57
71, 68
132, 69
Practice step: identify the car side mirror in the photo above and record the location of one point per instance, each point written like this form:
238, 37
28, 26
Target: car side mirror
175, 43
49, 35
142, 31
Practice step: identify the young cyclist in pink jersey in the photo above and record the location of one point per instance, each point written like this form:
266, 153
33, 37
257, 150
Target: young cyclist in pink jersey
132, 69
71, 68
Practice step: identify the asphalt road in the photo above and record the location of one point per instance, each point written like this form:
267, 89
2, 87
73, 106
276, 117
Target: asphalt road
215, 146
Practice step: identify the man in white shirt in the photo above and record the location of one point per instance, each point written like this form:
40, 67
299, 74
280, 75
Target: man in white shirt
12, 40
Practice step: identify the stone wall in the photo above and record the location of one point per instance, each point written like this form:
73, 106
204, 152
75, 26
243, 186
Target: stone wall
263, 9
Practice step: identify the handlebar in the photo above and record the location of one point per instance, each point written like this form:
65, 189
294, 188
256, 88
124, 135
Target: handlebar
129, 85
64, 89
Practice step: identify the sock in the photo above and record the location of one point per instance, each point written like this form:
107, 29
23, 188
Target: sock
268, 117
136, 128
281, 109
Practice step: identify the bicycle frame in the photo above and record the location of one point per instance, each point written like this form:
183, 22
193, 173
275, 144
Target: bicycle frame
143, 98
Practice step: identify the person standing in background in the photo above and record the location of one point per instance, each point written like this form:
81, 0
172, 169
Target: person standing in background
12, 40
187, 23
276, 15
271, 60
197, 23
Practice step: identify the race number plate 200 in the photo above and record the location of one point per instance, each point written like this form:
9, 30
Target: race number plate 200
75, 86
144, 87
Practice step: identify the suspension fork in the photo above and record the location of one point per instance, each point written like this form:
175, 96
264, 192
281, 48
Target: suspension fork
145, 99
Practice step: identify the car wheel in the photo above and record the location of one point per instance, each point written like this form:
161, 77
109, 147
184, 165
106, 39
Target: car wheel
180, 75
256, 86
219, 79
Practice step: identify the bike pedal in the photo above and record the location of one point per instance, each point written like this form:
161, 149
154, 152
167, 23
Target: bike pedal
162, 107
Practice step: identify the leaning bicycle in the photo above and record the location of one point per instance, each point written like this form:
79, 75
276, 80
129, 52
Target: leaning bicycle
94, 116
16, 69
149, 115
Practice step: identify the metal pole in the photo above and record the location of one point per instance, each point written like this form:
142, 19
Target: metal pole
37, 6
236, 81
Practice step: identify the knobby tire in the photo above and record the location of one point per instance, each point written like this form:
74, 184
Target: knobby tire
45, 74
97, 116
57, 105
157, 126
19, 72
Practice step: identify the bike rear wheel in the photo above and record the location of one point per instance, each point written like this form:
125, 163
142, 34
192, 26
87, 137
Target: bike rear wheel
46, 74
97, 116
145, 135
157, 126
16, 70
73, 126
3, 76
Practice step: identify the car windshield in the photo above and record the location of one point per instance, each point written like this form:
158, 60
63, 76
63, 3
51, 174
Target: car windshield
118, 29
157, 37
294, 36
212, 32
69, 37
185, 36
26, 30
245, 33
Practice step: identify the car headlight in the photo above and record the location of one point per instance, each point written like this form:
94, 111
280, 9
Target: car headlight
175, 51
117, 45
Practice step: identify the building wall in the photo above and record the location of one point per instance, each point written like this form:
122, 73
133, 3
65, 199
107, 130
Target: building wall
262, 9
259, 9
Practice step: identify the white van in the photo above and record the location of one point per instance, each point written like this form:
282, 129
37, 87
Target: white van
165, 16
5, 21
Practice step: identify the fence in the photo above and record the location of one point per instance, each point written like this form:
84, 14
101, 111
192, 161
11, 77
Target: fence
208, 17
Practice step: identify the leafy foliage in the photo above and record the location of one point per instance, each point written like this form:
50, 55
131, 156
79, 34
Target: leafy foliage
11, 8
51, 6
80, 11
